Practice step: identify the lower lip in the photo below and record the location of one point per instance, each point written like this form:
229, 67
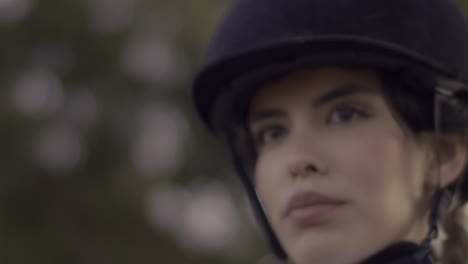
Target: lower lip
312, 215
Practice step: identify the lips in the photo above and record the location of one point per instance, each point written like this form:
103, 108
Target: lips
309, 208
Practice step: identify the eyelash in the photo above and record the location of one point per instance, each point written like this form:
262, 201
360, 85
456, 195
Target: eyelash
278, 130
346, 107
260, 135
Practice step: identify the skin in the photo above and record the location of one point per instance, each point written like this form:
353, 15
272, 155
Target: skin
359, 154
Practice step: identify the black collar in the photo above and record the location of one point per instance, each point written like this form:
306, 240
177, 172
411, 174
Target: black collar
403, 253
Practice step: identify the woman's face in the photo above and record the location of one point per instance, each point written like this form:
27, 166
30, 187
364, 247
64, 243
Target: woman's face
338, 176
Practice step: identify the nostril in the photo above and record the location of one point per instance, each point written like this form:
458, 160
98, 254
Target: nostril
311, 168
306, 166
303, 169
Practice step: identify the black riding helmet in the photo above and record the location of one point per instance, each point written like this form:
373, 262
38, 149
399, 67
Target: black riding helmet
261, 39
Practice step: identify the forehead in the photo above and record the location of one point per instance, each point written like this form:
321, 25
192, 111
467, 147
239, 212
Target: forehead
311, 83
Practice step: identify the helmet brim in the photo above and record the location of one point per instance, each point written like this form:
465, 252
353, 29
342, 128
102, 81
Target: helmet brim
263, 62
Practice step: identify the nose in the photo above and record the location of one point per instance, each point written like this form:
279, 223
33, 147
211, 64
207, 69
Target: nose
305, 160
303, 167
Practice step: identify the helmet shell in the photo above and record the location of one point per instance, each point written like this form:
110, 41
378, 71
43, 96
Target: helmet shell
432, 34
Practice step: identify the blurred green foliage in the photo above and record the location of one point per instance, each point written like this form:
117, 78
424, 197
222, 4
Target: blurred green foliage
81, 80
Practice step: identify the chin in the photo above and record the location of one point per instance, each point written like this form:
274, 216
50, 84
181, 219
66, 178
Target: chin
336, 258
337, 251
320, 258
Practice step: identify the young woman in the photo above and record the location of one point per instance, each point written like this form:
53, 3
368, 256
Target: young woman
346, 120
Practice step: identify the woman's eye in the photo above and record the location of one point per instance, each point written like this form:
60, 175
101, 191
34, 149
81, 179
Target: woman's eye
344, 114
269, 134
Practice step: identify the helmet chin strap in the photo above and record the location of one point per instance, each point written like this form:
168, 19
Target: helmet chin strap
423, 253
254, 198
440, 197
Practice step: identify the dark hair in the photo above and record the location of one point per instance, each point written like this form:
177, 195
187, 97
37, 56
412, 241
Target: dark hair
411, 96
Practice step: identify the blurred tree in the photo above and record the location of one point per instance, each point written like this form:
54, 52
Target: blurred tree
99, 142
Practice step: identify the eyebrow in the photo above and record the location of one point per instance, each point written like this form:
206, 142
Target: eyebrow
345, 90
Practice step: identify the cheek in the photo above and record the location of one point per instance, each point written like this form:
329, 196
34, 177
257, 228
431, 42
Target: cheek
384, 175
376, 162
268, 181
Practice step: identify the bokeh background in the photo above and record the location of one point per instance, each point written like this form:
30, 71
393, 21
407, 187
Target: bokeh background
102, 158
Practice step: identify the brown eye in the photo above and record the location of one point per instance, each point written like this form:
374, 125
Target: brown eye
345, 114
269, 134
